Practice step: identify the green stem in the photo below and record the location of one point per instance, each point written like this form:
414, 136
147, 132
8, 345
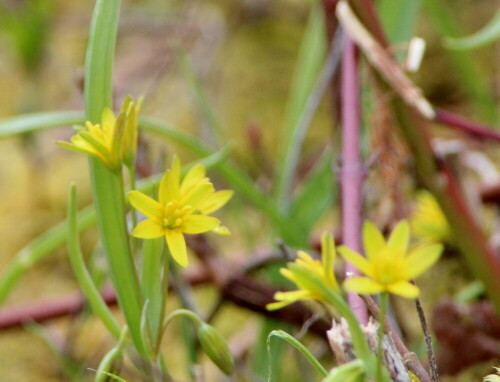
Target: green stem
106, 363
153, 285
107, 186
85, 281
384, 297
182, 313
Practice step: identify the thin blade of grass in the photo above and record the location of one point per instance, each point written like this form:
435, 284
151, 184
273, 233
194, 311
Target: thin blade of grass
473, 80
85, 281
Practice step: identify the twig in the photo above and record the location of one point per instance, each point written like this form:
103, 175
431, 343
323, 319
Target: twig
411, 361
428, 340
352, 172
474, 129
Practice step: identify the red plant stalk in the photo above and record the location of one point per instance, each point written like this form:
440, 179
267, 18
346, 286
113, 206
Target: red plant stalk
352, 173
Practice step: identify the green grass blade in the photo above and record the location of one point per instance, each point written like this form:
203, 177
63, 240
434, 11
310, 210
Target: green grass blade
85, 281
309, 64
107, 186
399, 19
28, 123
315, 197
202, 102
486, 35
297, 345
472, 79
39, 249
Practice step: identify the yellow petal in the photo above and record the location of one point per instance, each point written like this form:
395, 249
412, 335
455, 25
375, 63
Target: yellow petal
221, 230
199, 223
197, 195
356, 259
373, 240
194, 175
362, 285
148, 229
148, 206
328, 255
215, 201
108, 117
177, 246
404, 288
400, 236
169, 185
419, 260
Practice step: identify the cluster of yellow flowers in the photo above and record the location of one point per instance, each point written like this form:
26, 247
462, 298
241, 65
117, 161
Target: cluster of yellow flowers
388, 267
183, 205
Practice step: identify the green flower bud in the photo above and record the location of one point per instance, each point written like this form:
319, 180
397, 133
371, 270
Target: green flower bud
215, 346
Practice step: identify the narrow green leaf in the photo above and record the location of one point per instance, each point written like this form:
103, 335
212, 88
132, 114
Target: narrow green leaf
315, 197
399, 19
202, 102
473, 80
486, 35
297, 345
309, 64
85, 281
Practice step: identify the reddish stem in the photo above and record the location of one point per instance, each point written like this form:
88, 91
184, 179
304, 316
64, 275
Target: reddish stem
352, 169
470, 127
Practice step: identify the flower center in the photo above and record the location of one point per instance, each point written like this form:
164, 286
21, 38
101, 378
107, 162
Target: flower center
174, 215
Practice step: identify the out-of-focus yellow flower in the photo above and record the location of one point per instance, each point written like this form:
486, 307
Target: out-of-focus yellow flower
388, 266
322, 272
113, 141
182, 207
493, 377
428, 222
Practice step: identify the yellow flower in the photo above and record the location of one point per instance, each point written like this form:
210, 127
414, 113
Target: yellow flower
112, 140
428, 222
182, 207
388, 266
322, 272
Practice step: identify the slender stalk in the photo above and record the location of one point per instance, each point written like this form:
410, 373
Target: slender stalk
352, 168
107, 186
428, 340
152, 284
85, 281
472, 128
384, 298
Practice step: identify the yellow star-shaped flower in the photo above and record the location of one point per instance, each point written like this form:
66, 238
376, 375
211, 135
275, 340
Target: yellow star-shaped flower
113, 140
388, 266
182, 208
322, 272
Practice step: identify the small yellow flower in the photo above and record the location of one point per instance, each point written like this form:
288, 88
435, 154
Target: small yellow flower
182, 208
113, 140
428, 222
322, 272
388, 267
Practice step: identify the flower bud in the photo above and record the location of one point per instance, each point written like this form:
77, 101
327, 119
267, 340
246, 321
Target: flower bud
215, 347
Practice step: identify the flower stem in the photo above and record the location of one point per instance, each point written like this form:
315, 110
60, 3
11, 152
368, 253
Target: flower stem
384, 298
